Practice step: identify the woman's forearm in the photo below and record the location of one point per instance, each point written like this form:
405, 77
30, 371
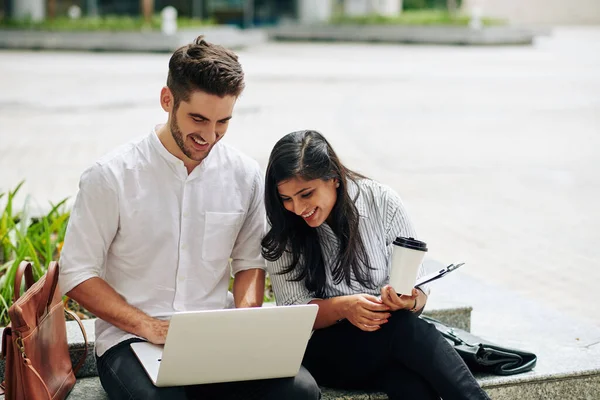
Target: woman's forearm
330, 311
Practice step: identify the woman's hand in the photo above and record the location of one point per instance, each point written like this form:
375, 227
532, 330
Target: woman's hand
395, 302
366, 312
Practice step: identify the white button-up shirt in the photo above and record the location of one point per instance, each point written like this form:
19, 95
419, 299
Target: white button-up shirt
160, 237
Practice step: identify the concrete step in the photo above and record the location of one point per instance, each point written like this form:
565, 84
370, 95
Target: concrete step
451, 313
524, 387
564, 371
441, 307
568, 353
439, 35
228, 36
568, 350
88, 386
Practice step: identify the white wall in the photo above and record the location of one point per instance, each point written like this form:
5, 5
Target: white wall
34, 9
541, 12
314, 11
366, 7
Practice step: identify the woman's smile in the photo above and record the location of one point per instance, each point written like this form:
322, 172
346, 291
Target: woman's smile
310, 215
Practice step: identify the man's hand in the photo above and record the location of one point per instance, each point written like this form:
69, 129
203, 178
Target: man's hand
395, 302
366, 312
103, 301
155, 331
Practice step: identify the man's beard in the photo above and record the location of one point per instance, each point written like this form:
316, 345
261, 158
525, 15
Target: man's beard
178, 137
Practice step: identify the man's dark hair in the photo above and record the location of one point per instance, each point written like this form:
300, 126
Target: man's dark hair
204, 66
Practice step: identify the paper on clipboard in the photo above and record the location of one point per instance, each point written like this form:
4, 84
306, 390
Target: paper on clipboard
437, 274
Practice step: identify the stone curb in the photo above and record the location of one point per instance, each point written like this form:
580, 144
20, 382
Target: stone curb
227, 36
459, 317
440, 35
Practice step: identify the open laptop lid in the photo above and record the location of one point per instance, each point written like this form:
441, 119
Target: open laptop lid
233, 345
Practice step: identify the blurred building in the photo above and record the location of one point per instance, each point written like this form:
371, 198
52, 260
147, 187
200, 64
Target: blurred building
263, 12
540, 12
272, 12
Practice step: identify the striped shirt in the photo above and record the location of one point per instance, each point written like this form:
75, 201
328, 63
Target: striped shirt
382, 219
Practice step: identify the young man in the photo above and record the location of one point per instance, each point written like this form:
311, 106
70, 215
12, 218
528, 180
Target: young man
155, 223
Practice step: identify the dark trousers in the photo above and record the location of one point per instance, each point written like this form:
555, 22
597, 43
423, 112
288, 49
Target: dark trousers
407, 359
123, 377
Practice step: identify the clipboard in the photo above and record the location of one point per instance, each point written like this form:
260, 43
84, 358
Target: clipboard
437, 274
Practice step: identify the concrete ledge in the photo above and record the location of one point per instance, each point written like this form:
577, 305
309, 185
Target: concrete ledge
91, 389
563, 371
568, 349
76, 344
582, 385
227, 36
459, 316
453, 314
568, 352
577, 387
442, 35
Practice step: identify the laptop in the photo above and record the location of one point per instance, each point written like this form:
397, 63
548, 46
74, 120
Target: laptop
229, 345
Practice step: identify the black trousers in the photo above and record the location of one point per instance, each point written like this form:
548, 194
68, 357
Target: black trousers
407, 359
123, 377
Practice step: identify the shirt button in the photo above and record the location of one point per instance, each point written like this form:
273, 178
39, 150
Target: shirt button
186, 214
181, 279
183, 246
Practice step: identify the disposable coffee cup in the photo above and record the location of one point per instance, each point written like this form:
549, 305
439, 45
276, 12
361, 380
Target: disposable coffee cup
406, 259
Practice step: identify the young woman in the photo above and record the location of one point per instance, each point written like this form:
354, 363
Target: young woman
330, 243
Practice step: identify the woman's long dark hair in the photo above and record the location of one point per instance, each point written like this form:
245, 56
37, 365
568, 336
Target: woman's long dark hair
307, 155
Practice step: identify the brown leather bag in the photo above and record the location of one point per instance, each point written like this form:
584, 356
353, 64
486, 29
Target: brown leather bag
34, 344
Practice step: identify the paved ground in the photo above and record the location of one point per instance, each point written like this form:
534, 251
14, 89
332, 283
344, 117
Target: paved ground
494, 150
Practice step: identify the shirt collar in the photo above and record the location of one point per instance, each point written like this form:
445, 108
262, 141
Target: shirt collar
176, 162
162, 150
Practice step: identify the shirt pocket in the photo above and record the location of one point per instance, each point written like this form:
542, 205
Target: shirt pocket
220, 232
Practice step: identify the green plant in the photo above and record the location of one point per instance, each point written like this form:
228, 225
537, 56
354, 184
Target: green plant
23, 237
112, 23
269, 295
420, 17
426, 4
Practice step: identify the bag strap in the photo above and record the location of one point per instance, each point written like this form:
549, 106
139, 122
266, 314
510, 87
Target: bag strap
25, 268
5, 339
27, 362
51, 281
85, 348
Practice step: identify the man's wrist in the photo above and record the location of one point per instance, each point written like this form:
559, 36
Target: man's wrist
144, 327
